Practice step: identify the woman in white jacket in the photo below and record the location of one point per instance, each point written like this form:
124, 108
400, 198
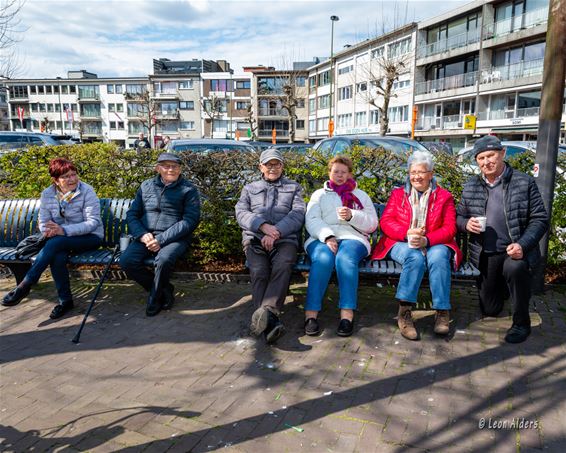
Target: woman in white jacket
339, 219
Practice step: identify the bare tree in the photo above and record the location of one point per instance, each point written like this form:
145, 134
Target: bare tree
9, 36
213, 107
143, 108
380, 74
251, 119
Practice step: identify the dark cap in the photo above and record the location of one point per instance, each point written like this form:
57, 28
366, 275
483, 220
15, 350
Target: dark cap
168, 157
270, 154
487, 143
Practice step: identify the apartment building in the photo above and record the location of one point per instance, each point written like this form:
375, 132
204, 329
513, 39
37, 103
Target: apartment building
279, 102
4, 109
349, 88
225, 98
486, 59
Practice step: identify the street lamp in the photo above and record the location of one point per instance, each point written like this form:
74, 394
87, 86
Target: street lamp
330, 121
60, 106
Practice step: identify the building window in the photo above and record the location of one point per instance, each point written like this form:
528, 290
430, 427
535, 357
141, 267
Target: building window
110, 89
242, 105
119, 107
48, 89
299, 124
324, 78
34, 107
345, 69
185, 85
378, 53
118, 89
345, 93
312, 83
361, 87
57, 107
400, 84
111, 107
88, 91
398, 114
187, 105
345, 120
187, 125
399, 48
300, 81
64, 89
135, 88
324, 101
312, 104
55, 89
322, 124
374, 116
243, 85
219, 85
312, 125
19, 91
300, 103
32, 89
361, 119
40, 89
72, 89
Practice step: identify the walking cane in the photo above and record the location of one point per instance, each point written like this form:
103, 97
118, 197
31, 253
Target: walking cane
114, 252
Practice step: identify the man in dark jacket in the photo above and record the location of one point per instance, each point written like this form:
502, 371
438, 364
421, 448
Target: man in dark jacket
270, 212
504, 213
161, 220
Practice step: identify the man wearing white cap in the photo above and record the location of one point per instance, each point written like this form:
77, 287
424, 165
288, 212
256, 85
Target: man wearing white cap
271, 212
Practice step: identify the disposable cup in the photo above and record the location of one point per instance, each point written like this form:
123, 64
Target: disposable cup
410, 237
124, 243
483, 222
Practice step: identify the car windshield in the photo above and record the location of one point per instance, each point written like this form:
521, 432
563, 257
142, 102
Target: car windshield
210, 148
398, 147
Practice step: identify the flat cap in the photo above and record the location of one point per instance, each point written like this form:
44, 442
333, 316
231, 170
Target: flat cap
487, 143
163, 157
270, 154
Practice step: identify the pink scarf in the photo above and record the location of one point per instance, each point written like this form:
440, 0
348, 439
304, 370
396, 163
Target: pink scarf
346, 193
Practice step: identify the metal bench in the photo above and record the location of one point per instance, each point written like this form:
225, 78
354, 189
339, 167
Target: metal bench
389, 268
19, 218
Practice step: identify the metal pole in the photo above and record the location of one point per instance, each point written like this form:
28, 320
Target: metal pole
552, 98
330, 121
60, 106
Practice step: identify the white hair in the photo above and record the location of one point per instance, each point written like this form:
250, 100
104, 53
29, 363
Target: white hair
421, 157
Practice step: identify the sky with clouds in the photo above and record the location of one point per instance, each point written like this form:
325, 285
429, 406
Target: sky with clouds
121, 38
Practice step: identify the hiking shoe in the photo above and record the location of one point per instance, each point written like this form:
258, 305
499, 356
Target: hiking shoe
274, 330
15, 296
442, 322
168, 297
405, 323
517, 334
259, 320
312, 328
61, 309
345, 328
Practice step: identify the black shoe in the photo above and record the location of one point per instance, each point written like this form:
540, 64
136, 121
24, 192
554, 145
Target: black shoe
517, 334
168, 297
61, 309
274, 330
15, 296
345, 328
312, 327
153, 306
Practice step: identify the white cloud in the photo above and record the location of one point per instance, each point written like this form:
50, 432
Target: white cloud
120, 38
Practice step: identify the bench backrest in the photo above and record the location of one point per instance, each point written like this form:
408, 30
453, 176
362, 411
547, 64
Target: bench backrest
19, 218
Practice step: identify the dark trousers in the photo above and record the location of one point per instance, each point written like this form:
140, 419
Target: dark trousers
501, 277
270, 273
132, 262
54, 254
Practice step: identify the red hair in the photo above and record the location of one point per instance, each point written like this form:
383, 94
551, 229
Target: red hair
58, 167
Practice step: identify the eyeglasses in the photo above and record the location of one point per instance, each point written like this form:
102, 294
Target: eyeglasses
173, 167
68, 176
275, 165
413, 174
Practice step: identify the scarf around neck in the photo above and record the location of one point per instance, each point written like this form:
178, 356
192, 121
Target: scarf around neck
419, 205
64, 199
346, 193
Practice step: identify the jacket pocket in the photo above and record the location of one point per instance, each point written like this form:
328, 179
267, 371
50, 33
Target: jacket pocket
257, 198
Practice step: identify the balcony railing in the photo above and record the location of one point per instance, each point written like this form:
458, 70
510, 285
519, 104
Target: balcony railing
166, 94
84, 97
447, 83
512, 71
272, 112
508, 114
452, 122
436, 122
516, 23
168, 115
267, 133
453, 42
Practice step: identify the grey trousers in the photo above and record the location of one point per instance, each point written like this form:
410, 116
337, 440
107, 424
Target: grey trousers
270, 273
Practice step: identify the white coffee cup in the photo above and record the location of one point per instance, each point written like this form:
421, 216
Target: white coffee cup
338, 212
124, 242
412, 236
483, 222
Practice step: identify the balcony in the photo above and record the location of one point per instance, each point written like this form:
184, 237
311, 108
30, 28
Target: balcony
92, 131
268, 132
167, 94
442, 123
516, 23
513, 71
509, 114
272, 112
447, 83
454, 42
89, 97
168, 115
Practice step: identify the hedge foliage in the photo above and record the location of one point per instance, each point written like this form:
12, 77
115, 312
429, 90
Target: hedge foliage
117, 173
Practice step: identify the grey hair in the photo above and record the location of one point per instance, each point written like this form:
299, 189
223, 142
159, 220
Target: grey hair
421, 157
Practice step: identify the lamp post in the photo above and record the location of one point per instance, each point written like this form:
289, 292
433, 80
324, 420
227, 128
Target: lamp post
60, 106
330, 121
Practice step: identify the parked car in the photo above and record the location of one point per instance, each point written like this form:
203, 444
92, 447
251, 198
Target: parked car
341, 143
260, 146
15, 140
210, 145
66, 139
438, 147
300, 148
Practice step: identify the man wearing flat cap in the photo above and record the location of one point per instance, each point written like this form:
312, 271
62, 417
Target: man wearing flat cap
161, 220
504, 213
271, 212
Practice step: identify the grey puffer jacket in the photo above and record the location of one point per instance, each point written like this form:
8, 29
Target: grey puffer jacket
277, 203
171, 213
82, 215
527, 219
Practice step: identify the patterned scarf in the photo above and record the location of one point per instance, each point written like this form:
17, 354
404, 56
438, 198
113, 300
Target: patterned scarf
346, 193
64, 199
419, 206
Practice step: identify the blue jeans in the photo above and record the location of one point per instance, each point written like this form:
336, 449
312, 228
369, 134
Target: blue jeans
55, 254
323, 261
414, 263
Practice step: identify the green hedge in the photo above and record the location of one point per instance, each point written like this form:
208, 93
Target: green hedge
117, 173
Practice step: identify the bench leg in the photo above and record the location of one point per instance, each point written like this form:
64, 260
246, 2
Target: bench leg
19, 270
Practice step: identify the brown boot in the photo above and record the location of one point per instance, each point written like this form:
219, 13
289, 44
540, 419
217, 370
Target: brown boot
442, 322
405, 323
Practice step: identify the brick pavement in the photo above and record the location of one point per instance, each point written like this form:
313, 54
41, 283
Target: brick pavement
192, 379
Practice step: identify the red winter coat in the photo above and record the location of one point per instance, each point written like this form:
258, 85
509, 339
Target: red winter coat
440, 222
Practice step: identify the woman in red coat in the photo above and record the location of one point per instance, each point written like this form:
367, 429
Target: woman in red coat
418, 228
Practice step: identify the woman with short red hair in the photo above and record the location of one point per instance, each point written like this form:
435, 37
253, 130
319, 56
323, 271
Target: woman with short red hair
69, 216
